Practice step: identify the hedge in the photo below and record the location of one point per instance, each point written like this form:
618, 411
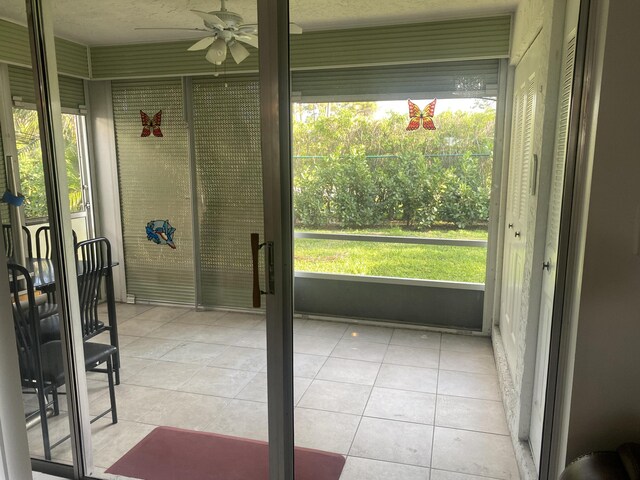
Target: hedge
355, 190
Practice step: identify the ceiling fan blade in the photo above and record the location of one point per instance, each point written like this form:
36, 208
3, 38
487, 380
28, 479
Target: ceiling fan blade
211, 19
250, 29
248, 39
295, 29
217, 52
238, 52
169, 28
202, 43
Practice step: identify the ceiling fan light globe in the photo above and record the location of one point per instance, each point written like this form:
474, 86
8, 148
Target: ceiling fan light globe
217, 52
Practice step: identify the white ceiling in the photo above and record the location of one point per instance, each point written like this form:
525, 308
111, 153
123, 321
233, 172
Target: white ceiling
107, 22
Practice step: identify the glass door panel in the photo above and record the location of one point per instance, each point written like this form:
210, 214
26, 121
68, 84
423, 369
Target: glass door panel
393, 141
181, 88
180, 358
34, 315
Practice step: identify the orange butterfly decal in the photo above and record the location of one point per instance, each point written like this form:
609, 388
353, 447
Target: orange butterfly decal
426, 115
149, 125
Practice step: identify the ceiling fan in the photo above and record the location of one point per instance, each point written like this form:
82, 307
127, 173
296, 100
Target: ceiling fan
226, 33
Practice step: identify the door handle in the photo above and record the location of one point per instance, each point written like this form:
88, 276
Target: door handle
511, 225
517, 234
255, 247
547, 266
269, 262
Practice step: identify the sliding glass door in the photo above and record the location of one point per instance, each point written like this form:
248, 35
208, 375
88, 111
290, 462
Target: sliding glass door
190, 367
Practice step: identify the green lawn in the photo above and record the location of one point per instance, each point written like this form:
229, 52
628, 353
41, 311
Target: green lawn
431, 262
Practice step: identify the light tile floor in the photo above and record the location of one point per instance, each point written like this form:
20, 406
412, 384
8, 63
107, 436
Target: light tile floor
398, 403
42, 476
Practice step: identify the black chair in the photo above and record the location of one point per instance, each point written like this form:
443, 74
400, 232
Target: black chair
43, 241
8, 240
41, 363
44, 249
94, 262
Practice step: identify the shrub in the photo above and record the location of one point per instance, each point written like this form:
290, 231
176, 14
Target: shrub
387, 201
312, 192
416, 190
354, 191
464, 194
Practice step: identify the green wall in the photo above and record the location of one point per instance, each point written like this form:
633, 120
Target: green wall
477, 38
73, 58
467, 39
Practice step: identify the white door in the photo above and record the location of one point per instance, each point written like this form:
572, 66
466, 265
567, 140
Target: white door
518, 195
551, 247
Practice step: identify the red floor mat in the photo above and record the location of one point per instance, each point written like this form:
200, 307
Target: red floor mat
175, 454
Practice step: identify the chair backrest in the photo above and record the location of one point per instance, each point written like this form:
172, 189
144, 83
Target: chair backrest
43, 241
8, 240
94, 264
26, 323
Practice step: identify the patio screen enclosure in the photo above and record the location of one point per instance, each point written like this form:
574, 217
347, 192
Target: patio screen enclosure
203, 175
223, 153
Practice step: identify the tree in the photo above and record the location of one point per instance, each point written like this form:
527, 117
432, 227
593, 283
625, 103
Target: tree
30, 162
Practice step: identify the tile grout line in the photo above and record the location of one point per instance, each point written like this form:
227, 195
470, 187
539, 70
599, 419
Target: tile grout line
366, 404
435, 410
393, 463
327, 357
460, 473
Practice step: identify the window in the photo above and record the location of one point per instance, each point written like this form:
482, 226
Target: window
359, 172
30, 161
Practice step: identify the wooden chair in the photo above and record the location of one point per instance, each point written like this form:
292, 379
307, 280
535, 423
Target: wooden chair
41, 363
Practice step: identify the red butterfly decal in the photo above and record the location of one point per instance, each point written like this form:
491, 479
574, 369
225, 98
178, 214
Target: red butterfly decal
149, 125
426, 115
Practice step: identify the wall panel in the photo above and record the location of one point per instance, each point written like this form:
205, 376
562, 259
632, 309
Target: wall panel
426, 80
71, 89
476, 38
72, 57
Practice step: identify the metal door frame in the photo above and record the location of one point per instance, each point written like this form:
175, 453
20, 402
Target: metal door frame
275, 94
592, 24
43, 60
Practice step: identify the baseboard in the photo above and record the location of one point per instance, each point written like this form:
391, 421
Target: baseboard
510, 399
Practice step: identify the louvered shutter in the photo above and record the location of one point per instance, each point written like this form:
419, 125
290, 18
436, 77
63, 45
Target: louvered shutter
557, 179
226, 116
71, 89
427, 80
154, 182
